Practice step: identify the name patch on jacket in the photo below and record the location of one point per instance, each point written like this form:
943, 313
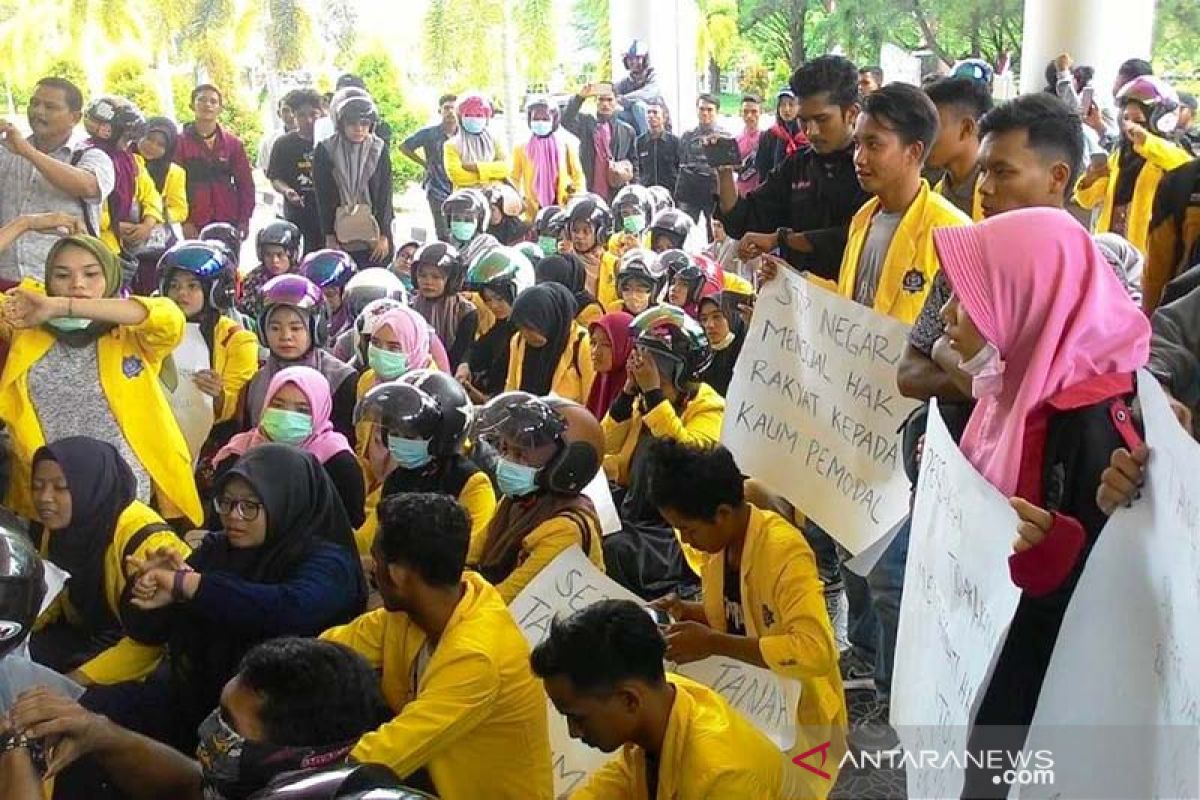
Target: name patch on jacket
132, 366
914, 281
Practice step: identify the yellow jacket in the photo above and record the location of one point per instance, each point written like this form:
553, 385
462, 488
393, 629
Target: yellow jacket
606, 282
618, 244
976, 202
570, 180
477, 497
476, 720
235, 359
574, 373
489, 171
911, 262
130, 357
733, 282
589, 314
174, 192
126, 660
145, 196
541, 546
699, 425
783, 604
1161, 157
710, 752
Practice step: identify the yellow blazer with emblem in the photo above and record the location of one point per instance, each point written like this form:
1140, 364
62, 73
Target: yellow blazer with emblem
129, 358
911, 261
710, 752
783, 605
476, 718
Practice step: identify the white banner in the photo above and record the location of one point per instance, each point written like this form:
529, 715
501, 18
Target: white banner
958, 602
193, 408
1124, 668
571, 582
813, 410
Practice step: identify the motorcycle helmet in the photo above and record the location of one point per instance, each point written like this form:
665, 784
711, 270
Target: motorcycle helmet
642, 264
366, 319
672, 223
22, 588
637, 52
504, 270
1159, 100
343, 782
328, 268
669, 333
633, 202
662, 199
352, 104
454, 406
702, 276
543, 221
595, 212
532, 252
298, 292
541, 101
446, 259
464, 205
505, 198
280, 233
372, 284
212, 265
122, 117
227, 235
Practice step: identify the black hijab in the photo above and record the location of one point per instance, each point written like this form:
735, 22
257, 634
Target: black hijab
159, 167
549, 309
102, 486
568, 271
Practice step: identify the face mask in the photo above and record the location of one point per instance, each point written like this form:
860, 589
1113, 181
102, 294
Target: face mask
634, 223
548, 244
474, 124
986, 369
409, 453
541, 127
462, 230
69, 324
387, 365
515, 480
286, 427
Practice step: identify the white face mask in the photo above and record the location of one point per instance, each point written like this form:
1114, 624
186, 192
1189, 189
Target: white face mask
986, 369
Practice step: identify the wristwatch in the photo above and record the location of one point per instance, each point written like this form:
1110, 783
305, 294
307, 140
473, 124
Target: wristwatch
781, 239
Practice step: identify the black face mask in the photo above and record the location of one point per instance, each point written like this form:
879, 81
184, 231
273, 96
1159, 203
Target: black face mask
235, 768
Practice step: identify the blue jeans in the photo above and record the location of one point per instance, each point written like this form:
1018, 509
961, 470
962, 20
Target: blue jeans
634, 112
862, 628
886, 585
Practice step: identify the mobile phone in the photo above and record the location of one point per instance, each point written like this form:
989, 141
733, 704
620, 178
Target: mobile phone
1098, 160
661, 618
1086, 98
723, 152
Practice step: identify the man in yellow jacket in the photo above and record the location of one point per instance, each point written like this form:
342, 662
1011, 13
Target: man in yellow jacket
764, 603
603, 670
469, 714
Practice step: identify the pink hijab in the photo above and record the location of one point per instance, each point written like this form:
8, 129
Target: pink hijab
1040, 291
412, 331
325, 442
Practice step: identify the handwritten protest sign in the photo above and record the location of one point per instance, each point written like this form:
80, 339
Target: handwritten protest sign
570, 583
958, 601
813, 410
193, 409
1120, 704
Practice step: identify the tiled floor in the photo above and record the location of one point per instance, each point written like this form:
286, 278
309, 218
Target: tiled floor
867, 784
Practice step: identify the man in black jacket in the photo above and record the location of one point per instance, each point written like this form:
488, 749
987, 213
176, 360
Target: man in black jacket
805, 206
621, 139
658, 151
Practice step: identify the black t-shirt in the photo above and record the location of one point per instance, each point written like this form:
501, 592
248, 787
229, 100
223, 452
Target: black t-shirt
735, 619
292, 162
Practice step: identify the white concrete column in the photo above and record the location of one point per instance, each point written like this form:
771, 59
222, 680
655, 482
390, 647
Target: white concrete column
669, 28
1099, 33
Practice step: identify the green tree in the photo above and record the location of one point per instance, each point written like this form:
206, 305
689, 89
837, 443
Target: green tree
717, 39
129, 77
537, 53
589, 18
382, 79
1177, 37
777, 29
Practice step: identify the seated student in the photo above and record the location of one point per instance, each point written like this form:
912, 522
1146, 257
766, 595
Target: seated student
1051, 341
612, 343
961, 104
363, 289
603, 669
663, 398
331, 270
499, 278
438, 271
283, 564
589, 223
278, 247
504, 214
640, 280
154, 153
455, 668
84, 495
569, 271
291, 326
550, 351
297, 414
764, 603
726, 332
548, 451
417, 429
398, 340
467, 213
670, 230
547, 228
632, 208
61, 340
690, 278
292, 704
402, 263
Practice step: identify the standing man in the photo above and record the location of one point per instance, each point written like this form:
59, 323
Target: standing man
290, 167
220, 185
43, 173
697, 185
870, 79
961, 103
658, 151
639, 89
429, 141
604, 140
288, 118
747, 142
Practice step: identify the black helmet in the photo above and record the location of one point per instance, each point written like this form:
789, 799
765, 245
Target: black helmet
454, 406
280, 233
372, 284
595, 212
343, 782
419, 408
446, 258
120, 114
226, 234
543, 221
661, 196
504, 270
22, 587
632, 200
642, 264
328, 268
210, 262
667, 331
471, 203
537, 421
637, 49
674, 223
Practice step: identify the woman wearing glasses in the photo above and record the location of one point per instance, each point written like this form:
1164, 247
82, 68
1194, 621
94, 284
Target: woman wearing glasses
283, 564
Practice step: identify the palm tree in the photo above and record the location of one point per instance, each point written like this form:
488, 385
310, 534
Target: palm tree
717, 39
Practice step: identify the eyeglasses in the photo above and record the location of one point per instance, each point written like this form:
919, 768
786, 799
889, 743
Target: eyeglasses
246, 510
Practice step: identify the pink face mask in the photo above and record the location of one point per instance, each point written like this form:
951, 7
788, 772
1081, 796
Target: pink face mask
986, 369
